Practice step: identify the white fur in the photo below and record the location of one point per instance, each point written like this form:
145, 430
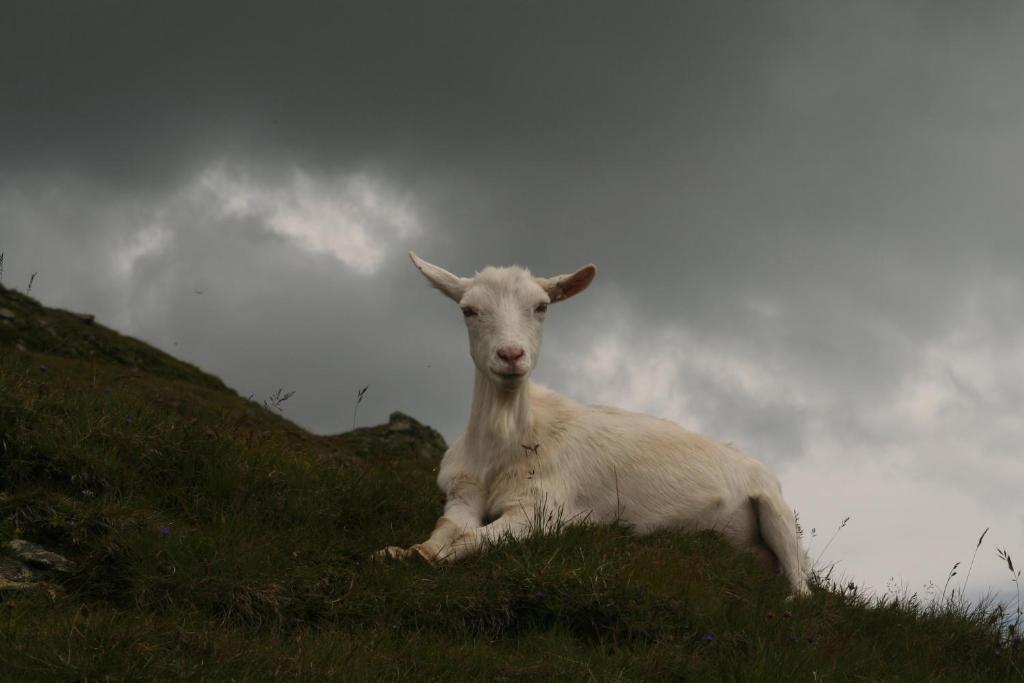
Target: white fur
528, 449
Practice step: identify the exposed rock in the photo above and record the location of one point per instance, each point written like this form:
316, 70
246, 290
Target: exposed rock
428, 439
15, 571
401, 435
400, 422
86, 318
25, 566
36, 556
16, 576
6, 314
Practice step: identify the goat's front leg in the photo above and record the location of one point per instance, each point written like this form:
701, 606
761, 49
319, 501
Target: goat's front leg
453, 542
462, 511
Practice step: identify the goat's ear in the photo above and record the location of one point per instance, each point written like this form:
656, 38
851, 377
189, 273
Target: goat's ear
561, 287
448, 284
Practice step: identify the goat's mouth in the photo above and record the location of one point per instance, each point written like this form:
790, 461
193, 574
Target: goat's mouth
509, 375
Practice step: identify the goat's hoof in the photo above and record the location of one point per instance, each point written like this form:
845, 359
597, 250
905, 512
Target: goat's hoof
425, 554
392, 552
800, 593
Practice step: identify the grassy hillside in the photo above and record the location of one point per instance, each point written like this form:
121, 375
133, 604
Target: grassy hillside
212, 539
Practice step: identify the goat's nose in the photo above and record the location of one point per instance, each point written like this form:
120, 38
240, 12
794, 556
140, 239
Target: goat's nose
510, 354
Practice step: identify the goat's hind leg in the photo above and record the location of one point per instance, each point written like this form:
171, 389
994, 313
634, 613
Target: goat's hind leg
743, 531
777, 528
765, 557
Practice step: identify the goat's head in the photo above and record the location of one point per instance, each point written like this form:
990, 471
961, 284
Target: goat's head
504, 309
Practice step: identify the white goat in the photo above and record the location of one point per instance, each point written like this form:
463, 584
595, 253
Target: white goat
527, 448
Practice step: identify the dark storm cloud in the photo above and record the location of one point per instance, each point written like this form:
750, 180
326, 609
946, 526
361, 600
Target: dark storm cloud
129, 87
704, 127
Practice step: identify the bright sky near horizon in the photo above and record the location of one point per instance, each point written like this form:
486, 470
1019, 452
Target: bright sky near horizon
806, 217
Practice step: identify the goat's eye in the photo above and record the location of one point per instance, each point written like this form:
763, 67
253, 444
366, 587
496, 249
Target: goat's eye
468, 312
541, 308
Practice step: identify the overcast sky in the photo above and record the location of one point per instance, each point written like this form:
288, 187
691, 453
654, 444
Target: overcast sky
806, 217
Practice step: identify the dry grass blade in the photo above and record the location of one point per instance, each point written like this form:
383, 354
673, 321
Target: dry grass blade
359, 399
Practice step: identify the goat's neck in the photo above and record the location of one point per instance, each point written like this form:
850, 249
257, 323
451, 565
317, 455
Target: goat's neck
500, 419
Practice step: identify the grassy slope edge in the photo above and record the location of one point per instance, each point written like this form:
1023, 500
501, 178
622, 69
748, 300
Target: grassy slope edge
213, 539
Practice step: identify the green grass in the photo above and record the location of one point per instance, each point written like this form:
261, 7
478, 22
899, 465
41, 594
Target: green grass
215, 540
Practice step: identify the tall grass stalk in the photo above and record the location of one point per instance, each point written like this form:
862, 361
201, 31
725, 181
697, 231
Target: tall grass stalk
359, 399
1015, 574
274, 401
836, 533
963, 586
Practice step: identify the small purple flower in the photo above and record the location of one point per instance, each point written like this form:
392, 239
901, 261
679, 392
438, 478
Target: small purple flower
128, 419
686, 625
708, 637
540, 594
791, 637
107, 389
165, 531
43, 367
